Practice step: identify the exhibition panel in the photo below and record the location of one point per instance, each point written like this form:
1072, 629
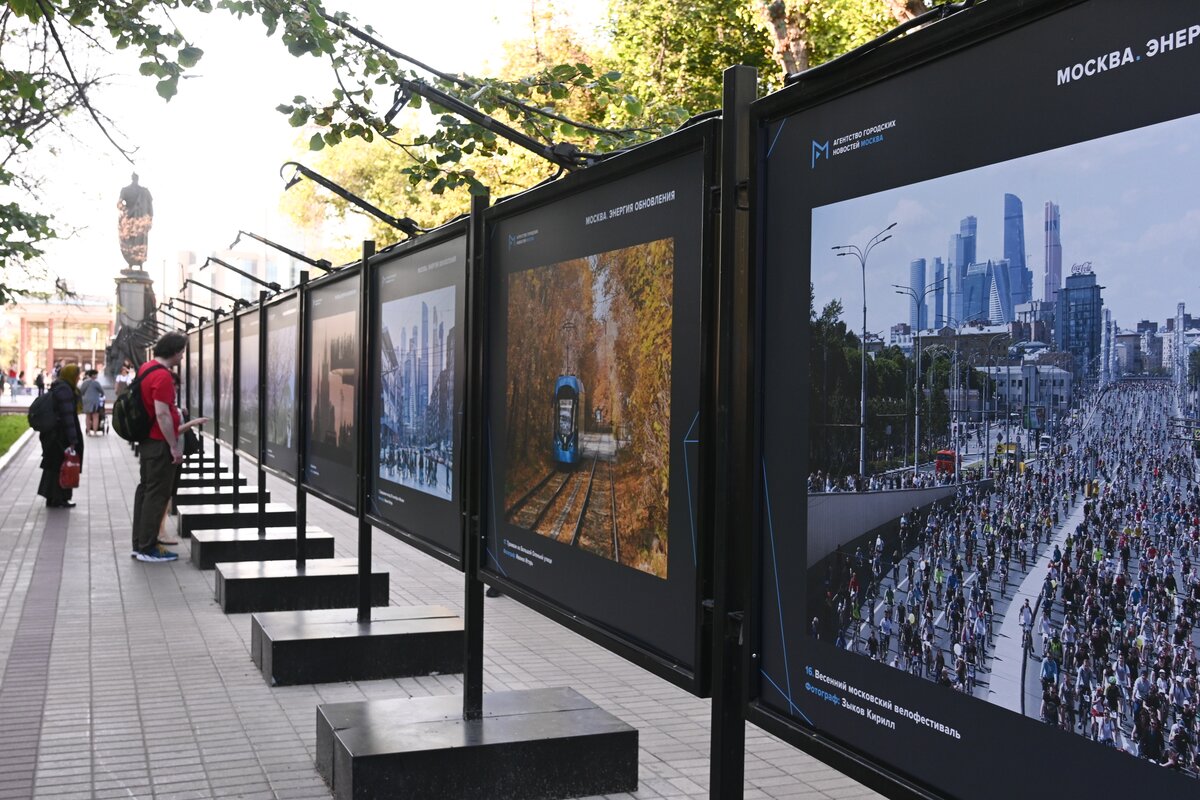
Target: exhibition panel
207, 374
283, 353
192, 374
417, 382
972, 539
332, 339
247, 344
595, 359
228, 356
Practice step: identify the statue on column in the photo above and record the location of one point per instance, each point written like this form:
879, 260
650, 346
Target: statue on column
135, 307
133, 226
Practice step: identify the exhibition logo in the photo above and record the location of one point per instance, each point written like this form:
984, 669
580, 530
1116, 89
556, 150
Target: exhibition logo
818, 150
848, 143
518, 239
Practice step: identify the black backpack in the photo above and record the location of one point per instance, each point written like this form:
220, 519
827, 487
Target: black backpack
130, 419
41, 415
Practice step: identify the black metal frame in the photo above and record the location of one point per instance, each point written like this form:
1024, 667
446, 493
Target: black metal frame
220, 346
732, 393
936, 42
301, 424
255, 310
216, 388
704, 137
282, 297
473, 482
372, 383
362, 401
345, 273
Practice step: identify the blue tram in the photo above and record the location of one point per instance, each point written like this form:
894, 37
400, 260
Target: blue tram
568, 402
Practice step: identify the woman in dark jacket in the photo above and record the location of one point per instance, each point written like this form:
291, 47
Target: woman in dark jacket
65, 435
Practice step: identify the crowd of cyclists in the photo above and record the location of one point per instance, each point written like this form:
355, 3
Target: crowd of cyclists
1115, 510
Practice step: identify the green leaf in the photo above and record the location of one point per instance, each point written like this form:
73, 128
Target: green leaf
317, 142
167, 87
148, 68
189, 56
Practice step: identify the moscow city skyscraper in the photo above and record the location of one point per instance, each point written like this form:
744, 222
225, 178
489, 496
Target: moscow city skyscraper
960, 258
1053, 253
918, 317
1020, 278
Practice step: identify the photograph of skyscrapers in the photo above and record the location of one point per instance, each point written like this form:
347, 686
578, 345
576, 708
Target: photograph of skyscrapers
1030, 372
334, 376
416, 447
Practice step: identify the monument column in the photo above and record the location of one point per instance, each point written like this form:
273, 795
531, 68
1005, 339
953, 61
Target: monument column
135, 288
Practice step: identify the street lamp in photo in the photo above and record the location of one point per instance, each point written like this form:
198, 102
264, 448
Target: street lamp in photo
918, 299
862, 253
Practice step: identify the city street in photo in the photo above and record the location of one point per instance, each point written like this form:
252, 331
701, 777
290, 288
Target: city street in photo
416, 447
1006, 507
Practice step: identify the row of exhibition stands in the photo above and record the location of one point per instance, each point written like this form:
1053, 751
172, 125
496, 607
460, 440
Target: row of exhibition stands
592, 396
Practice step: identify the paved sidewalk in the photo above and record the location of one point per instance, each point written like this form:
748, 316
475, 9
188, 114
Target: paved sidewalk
124, 679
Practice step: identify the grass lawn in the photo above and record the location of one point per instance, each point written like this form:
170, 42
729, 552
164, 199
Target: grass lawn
11, 428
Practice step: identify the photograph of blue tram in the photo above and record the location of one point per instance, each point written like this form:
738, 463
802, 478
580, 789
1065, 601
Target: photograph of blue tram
568, 399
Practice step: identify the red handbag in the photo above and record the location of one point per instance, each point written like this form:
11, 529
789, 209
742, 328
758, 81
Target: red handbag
68, 473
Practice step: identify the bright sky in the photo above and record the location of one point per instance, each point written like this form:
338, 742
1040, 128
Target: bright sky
1123, 207
211, 156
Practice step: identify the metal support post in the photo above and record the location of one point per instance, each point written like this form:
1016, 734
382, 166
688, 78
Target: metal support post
474, 475
363, 396
731, 439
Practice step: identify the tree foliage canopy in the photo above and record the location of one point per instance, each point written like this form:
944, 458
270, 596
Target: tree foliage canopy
664, 64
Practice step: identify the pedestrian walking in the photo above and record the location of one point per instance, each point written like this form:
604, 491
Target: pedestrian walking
65, 437
92, 394
161, 454
40, 383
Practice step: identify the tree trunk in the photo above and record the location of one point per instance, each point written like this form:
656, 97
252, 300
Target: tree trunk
789, 28
904, 10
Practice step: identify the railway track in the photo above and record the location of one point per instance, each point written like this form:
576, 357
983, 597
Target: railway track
578, 508
531, 508
596, 527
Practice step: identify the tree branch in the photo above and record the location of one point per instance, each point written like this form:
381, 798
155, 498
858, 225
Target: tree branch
79, 86
465, 84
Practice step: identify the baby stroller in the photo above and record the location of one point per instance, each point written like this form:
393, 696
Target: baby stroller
104, 418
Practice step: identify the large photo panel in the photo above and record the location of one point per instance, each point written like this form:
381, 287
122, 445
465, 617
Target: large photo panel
419, 367
248, 366
208, 375
283, 362
332, 449
192, 379
594, 399
228, 347
987, 554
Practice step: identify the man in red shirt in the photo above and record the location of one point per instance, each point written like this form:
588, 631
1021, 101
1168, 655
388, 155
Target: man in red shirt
162, 453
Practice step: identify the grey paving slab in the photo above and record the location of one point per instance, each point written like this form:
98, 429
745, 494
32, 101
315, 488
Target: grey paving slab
128, 681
